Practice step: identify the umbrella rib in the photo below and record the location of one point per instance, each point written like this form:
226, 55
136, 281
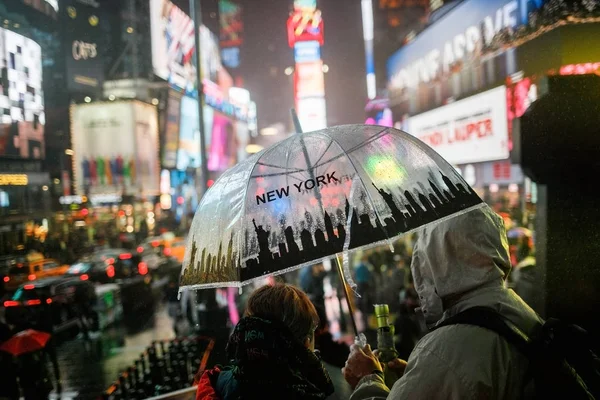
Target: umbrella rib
269, 150
290, 174
323, 154
342, 154
363, 183
277, 166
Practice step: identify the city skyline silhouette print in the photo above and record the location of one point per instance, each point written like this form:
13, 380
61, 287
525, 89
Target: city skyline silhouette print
315, 195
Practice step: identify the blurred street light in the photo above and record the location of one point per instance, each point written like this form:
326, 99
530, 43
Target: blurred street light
87, 99
289, 70
45, 188
129, 29
155, 101
111, 97
253, 148
325, 68
69, 152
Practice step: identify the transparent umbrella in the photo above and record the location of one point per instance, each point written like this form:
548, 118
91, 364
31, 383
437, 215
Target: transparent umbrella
314, 195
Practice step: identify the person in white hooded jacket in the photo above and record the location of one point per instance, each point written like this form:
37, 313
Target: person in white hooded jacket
458, 263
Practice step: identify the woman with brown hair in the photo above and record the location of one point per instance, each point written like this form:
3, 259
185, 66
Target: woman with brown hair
271, 351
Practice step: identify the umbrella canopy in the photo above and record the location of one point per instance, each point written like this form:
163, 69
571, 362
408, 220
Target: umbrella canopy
314, 195
25, 342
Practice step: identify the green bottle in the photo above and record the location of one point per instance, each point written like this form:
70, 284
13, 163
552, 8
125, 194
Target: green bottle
385, 343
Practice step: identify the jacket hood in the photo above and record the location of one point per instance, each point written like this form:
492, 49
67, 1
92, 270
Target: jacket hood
457, 256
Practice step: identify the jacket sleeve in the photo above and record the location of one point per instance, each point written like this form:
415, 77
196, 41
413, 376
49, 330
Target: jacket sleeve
371, 387
428, 376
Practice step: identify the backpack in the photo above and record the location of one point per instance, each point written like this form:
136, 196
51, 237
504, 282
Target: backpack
562, 362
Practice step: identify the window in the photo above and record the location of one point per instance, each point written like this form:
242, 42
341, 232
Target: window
50, 265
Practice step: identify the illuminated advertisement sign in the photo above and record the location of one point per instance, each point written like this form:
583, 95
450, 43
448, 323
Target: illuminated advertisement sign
188, 152
309, 5
307, 51
171, 140
232, 26
305, 26
174, 47
220, 138
83, 45
470, 130
115, 148
214, 97
231, 57
22, 117
222, 152
311, 113
173, 44
451, 40
211, 58
13, 180
309, 79
48, 7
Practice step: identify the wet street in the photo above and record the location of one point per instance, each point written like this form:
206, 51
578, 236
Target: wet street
88, 367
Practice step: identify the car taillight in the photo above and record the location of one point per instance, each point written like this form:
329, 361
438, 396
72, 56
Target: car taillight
125, 256
143, 268
110, 271
48, 301
31, 277
33, 302
10, 303
29, 287
140, 249
109, 261
155, 243
6, 278
84, 277
167, 252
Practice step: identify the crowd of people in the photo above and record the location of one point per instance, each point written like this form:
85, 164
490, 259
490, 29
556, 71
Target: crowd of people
459, 269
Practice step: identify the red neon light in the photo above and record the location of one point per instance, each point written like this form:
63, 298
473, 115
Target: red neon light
580, 69
155, 243
29, 287
304, 26
110, 271
6, 278
84, 277
143, 268
31, 277
180, 200
125, 256
33, 302
167, 252
85, 212
210, 182
10, 303
140, 249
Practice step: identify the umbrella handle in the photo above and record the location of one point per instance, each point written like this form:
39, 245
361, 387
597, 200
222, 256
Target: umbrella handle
346, 294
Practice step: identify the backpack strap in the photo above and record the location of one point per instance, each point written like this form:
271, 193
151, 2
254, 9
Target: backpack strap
487, 318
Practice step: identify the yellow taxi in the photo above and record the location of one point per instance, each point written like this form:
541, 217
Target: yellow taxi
31, 267
169, 244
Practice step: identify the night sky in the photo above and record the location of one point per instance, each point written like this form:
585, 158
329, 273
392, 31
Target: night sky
266, 54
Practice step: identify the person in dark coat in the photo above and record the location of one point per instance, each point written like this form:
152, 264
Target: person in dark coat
271, 351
